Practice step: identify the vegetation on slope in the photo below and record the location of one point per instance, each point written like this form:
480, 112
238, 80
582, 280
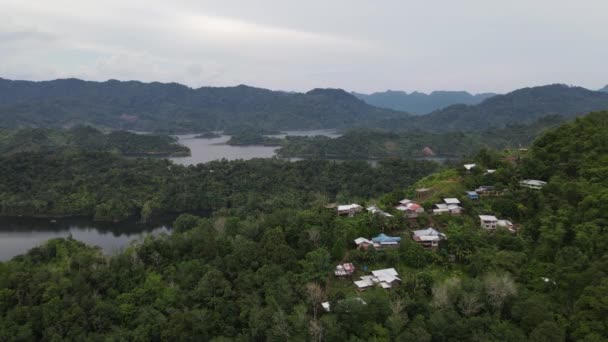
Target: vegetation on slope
107, 187
379, 144
177, 108
262, 276
86, 138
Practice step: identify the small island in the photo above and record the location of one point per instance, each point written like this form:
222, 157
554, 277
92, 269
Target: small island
90, 139
253, 136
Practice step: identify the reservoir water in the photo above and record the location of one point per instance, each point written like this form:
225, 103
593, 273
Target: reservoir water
206, 150
18, 235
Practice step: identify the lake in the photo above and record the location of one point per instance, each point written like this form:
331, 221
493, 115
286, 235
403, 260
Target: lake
18, 235
206, 150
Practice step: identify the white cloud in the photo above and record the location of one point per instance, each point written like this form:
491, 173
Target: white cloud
353, 44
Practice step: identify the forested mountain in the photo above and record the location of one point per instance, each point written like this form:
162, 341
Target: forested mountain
522, 106
421, 103
174, 107
262, 272
84, 138
177, 108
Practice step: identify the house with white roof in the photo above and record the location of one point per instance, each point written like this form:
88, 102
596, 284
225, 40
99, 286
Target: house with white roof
363, 243
488, 222
384, 278
449, 206
532, 184
506, 224
469, 167
428, 238
374, 210
349, 210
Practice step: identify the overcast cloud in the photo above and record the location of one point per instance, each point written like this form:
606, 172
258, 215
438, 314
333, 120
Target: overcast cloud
475, 45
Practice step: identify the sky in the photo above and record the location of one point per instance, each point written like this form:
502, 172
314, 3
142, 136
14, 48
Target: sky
365, 46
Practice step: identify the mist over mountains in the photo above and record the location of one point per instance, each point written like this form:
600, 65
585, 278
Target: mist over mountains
420, 103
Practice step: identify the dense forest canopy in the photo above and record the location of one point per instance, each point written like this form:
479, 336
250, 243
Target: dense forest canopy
381, 144
85, 138
261, 275
108, 187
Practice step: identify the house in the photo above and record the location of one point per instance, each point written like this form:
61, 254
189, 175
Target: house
384, 278
450, 206
385, 241
344, 270
449, 201
363, 243
428, 238
472, 195
532, 184
325, 306
374, 210
506, 224
488, 222
365, 283
487, 190
469, 167
409, 208
442, 208
349, 209
489, 172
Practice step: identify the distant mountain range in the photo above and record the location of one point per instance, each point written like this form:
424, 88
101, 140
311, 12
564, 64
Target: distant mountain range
177, 108
420, 103
522, 106
605, 89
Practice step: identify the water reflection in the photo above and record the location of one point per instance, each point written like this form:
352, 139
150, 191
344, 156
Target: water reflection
17, 236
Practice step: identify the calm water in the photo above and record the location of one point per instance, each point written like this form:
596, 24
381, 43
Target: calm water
17, 236
206, 150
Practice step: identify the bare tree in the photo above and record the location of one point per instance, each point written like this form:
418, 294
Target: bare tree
314, 236
315, 296
444, 293
498, 288
470, 304
316, 330
280, 326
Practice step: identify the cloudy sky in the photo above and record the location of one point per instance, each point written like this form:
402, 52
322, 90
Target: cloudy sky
475, 45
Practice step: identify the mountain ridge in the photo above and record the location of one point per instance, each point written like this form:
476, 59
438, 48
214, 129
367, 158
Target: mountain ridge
419, 103
521, 106
178, 108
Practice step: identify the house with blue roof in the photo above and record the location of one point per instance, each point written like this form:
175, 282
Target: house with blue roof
472, 195
384, 241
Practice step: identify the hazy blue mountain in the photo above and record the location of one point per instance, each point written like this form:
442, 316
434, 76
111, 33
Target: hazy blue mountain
522, 106
421, 103
605, 89
175, 107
